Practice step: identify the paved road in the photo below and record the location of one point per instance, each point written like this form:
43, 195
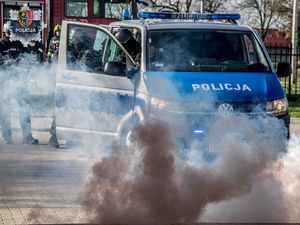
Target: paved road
40, 184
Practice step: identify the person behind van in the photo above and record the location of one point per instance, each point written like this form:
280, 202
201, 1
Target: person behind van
81, 53
54, 44
14, 86
79, 43
52, 56
127, 39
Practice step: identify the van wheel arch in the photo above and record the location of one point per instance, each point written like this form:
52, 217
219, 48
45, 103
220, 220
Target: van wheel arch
125, 131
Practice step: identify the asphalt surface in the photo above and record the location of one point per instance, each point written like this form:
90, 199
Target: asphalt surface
41, 184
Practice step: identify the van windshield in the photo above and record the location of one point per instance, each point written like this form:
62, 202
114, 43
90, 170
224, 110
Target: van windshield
204, 50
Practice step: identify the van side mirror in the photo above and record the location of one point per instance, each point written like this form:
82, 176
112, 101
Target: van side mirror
115, 68
284, 69
131, 72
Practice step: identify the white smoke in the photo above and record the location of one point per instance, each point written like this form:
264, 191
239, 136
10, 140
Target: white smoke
251, 179
250, 174
163, 184
273, 197
26, 86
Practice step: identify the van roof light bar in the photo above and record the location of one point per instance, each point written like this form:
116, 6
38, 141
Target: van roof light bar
188, 16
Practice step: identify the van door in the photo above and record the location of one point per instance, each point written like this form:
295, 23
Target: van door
89, 102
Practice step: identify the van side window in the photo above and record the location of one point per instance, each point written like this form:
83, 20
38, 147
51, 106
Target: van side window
250, 54
85, 48
114, 52
256, 58
89, 49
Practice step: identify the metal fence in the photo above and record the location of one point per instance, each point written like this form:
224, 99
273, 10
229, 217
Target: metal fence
280, 53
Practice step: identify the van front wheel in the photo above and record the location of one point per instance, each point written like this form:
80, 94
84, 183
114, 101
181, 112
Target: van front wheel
127, 137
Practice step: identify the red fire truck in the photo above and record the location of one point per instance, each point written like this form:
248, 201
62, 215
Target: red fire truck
34, 19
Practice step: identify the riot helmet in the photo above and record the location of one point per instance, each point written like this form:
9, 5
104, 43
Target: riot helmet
124, 35
126, 38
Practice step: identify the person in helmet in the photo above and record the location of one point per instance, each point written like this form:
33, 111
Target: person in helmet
13, 86
36, 51
79, 43
81, 53
52, 55
54, 44
127, 39
8, 48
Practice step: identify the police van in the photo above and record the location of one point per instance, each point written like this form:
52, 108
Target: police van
182, 68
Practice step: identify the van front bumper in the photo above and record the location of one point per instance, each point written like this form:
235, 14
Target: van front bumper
195, 125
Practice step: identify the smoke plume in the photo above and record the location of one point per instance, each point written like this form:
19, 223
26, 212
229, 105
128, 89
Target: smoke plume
148, 183
251, 179
273, 198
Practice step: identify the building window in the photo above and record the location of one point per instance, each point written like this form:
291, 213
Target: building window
96, 9
76, 8
114, 9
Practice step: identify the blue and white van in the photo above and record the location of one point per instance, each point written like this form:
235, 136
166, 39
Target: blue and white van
186, 68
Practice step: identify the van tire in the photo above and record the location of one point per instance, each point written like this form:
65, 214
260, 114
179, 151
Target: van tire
127, 132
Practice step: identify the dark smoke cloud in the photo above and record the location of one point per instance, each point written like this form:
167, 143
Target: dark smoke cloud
113, 196
35, 216
161, 188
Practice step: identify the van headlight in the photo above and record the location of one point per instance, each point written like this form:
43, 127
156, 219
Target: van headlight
158, 104
278, 107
